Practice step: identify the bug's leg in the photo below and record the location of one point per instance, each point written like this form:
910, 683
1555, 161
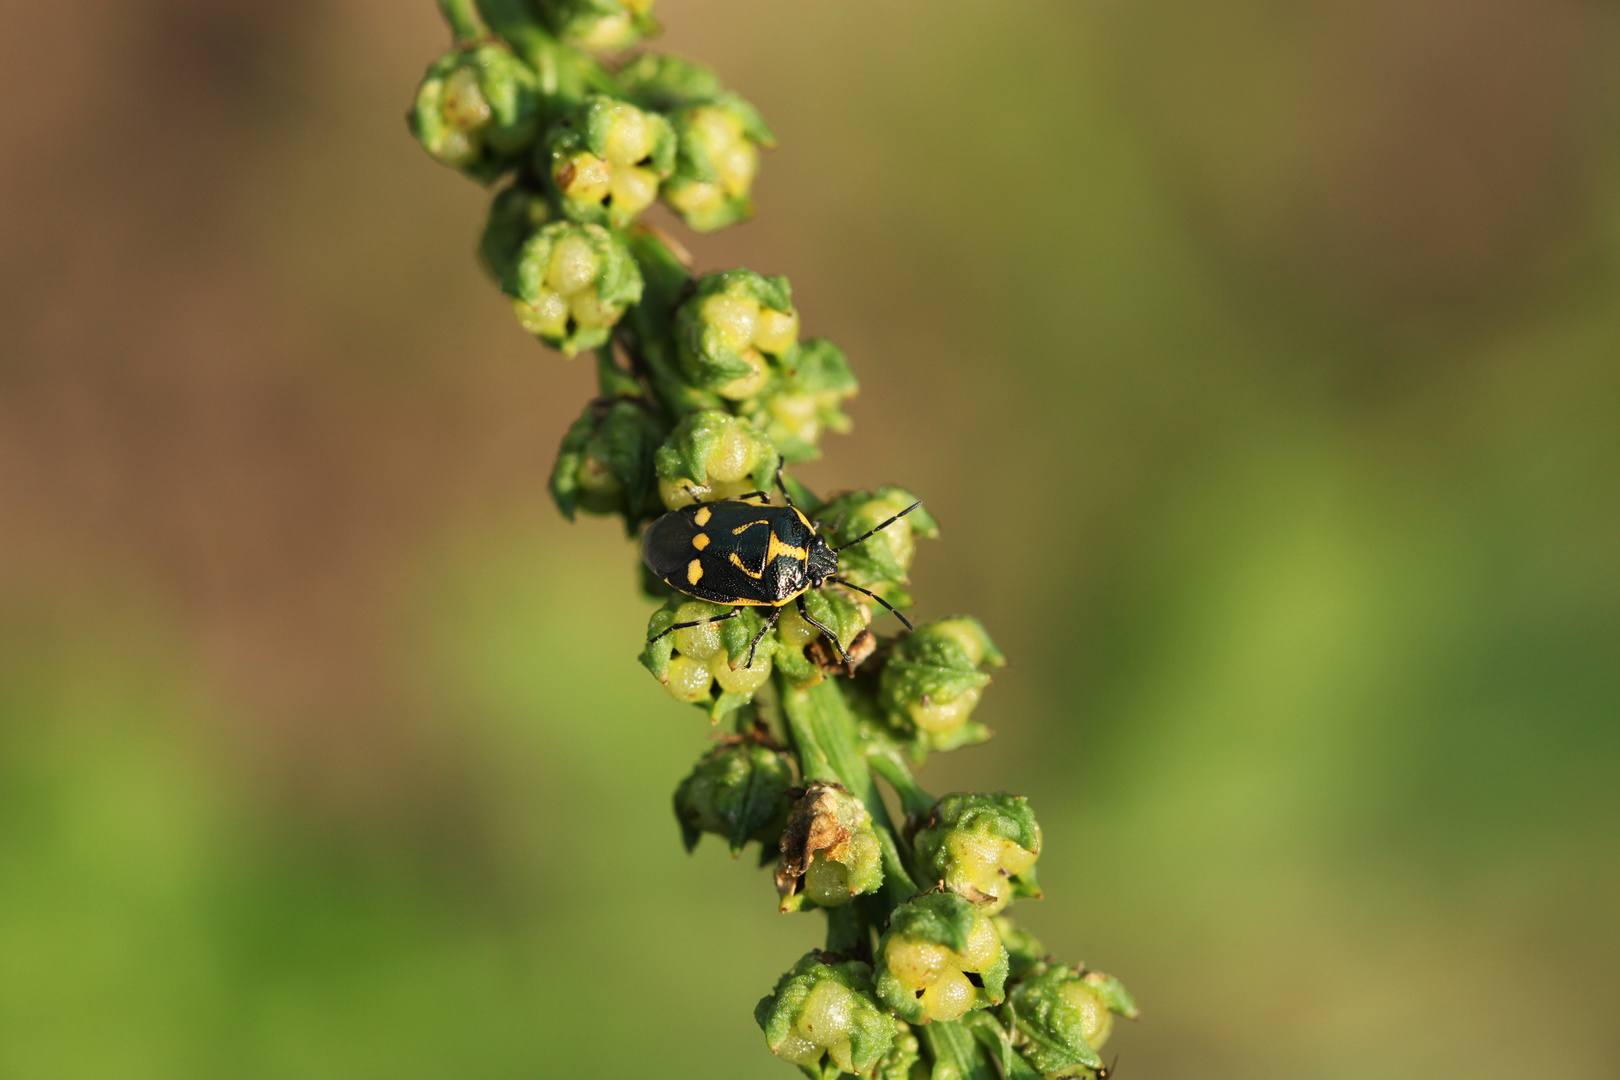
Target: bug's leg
732, 614
893, 610
776, 613
830, 636
690, 490
869, 533
753, 495
781, 463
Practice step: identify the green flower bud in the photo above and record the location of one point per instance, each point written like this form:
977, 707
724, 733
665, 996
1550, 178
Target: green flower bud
713, 455
939, 959
932, 682
1025, 953
606, 159
904, 1059
822, 1017
804, 400
514, 216
882, 562
714, 175
571, 283
605, 463
1063, 1017
477, 109
830, 852
981, 847
600, 25
730, 328
738, 791
706, 665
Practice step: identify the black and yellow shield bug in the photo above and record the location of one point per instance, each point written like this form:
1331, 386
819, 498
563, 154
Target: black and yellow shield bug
747, 552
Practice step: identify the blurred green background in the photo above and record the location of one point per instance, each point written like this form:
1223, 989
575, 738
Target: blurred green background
1259, 360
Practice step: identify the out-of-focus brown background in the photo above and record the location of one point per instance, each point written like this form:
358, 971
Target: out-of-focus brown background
1259, 359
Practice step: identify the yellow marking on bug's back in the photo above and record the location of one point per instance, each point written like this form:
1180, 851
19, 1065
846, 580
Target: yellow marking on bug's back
700, 541
694, 571
738, 563
739, 530
804, 520
777, 547
702, 516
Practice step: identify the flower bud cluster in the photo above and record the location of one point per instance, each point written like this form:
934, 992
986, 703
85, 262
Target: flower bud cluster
823, 1017
477, 109
940, 959
931, 684
600, 25
830, 852
734, 330
570, 283
605, 160
739, 791
713, 455
1061, 1017
707, 664
981, 847
604, 464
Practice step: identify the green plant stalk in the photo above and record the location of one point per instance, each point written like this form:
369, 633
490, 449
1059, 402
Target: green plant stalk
465, 23
956, 1053
823, 733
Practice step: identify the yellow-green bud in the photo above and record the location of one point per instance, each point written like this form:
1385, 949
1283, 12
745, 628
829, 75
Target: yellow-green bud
713, 455
733, 331
738, 791
805, 399
571, 283
822, 1013
881, 562
707, 665
477, 109
605, 463
720, 140
1062, 1017
981, 847
600, 25
931, 683
939, 960
605, 160
830, 852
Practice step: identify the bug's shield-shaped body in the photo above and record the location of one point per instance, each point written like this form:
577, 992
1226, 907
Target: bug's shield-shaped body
733, 552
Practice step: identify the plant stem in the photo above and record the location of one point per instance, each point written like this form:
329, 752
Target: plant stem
465, 24
887, 763
823, 733
954, 1048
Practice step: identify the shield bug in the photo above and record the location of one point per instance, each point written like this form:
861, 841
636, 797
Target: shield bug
747, 552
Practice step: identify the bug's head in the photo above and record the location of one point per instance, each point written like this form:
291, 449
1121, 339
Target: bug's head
822, 562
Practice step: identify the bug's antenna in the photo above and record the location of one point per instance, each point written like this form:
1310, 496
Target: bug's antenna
875, 596
869, 533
